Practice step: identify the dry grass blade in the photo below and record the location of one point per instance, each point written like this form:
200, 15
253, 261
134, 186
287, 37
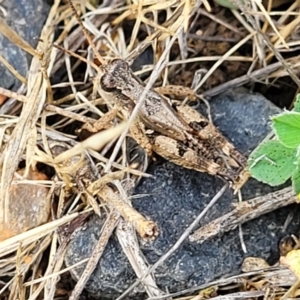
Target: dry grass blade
16, 39
32, 108
129, 243
12, 70
261, 7
11, 94
10, 245
99, 57
269, 71
95, 142
243, 7
220, 61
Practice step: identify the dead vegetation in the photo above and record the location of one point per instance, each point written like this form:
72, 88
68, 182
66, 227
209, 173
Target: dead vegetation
199, 49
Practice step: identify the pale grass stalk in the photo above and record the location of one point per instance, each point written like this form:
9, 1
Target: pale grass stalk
266, 15
46, 277
10, 245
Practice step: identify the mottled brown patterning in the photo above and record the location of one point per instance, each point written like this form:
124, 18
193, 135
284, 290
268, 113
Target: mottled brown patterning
179, 134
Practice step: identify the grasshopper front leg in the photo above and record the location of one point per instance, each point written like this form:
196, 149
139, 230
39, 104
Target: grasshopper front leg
138, 133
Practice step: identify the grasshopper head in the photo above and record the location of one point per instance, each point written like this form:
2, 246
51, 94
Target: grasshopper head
116, 76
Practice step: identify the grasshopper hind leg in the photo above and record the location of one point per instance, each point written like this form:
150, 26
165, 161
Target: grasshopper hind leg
206, 131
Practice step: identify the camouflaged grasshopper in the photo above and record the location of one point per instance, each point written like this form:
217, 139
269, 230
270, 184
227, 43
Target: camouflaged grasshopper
178, 133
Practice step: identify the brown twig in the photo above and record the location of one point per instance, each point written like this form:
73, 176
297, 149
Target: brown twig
244, 212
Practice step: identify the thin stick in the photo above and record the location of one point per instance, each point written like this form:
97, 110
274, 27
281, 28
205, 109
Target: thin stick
244, 248
11, 94
244, 212
69, 114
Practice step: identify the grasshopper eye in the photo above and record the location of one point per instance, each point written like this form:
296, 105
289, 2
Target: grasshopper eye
107, 83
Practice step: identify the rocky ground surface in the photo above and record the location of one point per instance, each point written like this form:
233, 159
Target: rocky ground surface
175, 197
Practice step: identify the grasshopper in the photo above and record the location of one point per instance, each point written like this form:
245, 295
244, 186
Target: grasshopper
177, 133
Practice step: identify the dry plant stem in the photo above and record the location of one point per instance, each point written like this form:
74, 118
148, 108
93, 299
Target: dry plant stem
76, 39
244, 212
12, 70
95, 142
70, 97
25, 127
34, 251
266, 15
220, 21
10, 245
16, 39
56, 257
291, 291
146, 229
106, 232
127, 238
11, 94
238, 280
55, 262
116, 175
68, 114
156, 71
92, 202
244, 248
129, 243
186, 233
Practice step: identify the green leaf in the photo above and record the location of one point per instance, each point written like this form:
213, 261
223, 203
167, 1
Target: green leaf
272, 163
296, 181
287, 128
297, 104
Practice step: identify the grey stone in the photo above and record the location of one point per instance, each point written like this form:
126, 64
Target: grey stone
27, 18
175, 197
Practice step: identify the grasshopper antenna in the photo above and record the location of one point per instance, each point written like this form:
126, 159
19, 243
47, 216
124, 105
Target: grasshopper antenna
71, 53
86, 33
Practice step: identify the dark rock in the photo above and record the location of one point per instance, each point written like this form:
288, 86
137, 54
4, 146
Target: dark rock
27, 18
176, 197
145, 58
